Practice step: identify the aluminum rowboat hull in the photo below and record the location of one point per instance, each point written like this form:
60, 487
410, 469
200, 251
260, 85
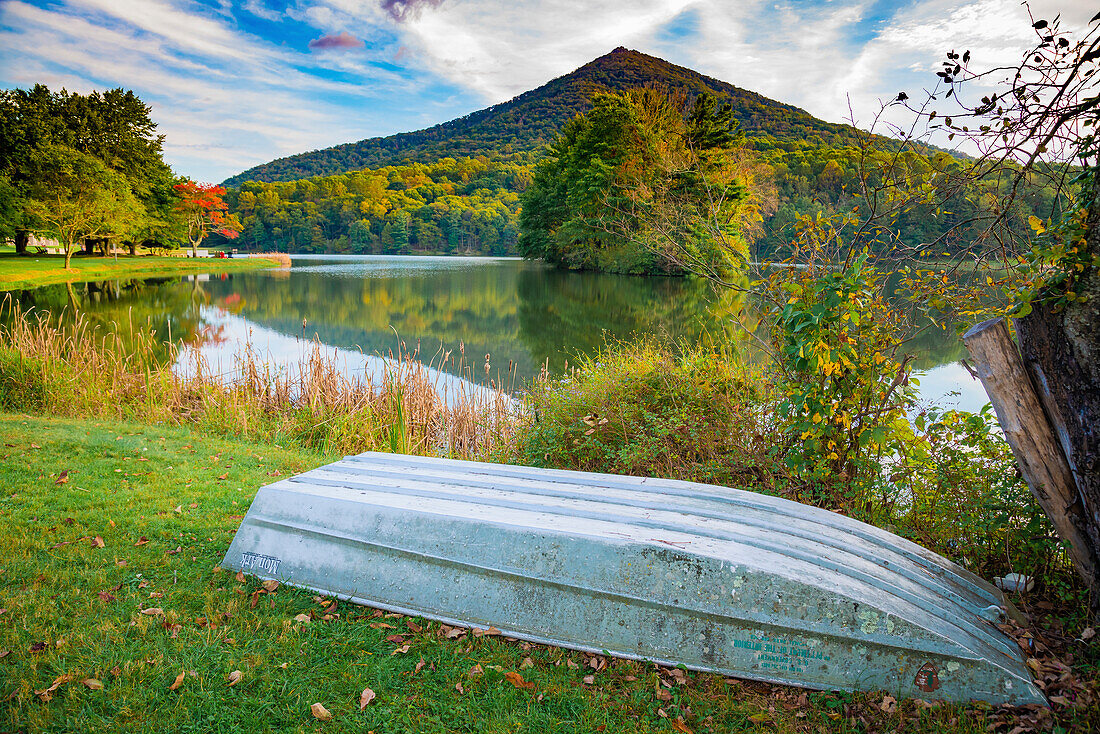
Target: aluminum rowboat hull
673, 572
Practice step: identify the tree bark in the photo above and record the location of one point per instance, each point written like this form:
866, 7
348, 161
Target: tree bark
21, 238
1061, 352
1034, 442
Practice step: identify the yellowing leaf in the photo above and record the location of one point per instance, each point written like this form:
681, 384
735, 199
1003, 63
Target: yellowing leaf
93, 684
320, 712
517, 680
365, 697
1036, 224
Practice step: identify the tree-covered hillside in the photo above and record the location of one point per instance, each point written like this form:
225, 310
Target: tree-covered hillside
534, 118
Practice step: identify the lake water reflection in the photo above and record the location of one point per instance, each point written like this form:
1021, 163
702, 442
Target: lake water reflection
521, 314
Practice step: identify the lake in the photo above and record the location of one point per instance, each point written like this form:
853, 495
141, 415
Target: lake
514, 315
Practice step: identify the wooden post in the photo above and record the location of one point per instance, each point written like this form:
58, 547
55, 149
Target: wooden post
1032, 438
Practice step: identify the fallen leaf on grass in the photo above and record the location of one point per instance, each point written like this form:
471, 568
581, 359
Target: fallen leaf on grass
5, 653
1088, 634
38, 646
474, 671
381, 626
178, 681
270, 586
527, 663
93, 684
413, 626
401, 650
106, 596
517, 680
141, 541
455, 633
63, 477
174, 552
486, 633
589, 679
302, 618
153, 611
459, 688
116, 671
365, 697
663, 695
889, 704
320, 712
240, 577
679, 725
234, 678
224, 476
47, 694
415, 670
395, 639
97, 542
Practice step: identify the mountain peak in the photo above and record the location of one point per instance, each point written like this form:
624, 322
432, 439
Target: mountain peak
532, 119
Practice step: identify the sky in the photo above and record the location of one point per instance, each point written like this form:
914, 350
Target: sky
236, 83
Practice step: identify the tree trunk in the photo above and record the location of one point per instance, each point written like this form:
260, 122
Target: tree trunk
69, 246
21, 238
89, 248
133, 248
1034, 442
1061, 351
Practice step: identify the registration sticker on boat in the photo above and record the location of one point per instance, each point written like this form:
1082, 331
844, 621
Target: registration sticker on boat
267, 564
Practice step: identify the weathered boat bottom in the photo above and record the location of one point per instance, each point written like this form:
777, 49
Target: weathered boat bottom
676, 573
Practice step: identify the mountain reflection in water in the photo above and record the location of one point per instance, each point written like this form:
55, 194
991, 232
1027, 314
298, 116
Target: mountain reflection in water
515, 315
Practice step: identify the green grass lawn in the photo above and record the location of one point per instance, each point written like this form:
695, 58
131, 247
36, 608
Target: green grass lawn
110, 588
29, 271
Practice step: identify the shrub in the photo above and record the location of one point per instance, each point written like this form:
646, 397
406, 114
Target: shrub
642, 408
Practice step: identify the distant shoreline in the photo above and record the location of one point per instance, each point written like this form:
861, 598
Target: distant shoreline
22, 272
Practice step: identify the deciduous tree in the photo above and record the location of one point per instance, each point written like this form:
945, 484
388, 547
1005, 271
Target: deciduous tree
204, 211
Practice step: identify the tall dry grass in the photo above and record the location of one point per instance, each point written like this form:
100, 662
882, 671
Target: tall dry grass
77, 369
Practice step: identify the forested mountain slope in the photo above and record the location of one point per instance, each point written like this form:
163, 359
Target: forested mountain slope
532, 119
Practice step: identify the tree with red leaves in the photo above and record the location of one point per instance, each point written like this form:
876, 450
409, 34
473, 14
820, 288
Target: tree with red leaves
204, 210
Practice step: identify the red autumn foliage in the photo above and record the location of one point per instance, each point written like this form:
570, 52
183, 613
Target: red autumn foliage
205, 211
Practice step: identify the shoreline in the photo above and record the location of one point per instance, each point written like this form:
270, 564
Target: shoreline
23, 272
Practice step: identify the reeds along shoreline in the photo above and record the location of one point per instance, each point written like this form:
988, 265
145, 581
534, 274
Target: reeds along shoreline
128, 371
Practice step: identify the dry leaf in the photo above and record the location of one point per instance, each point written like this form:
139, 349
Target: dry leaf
365, 697
320, 712
93, 684
1088, 634
178, 681
517, 680
47, 694
401, 650
413, 626
589, 679
153, 611
106, 596
240, 577
381, 626
97, 542
302, 618
415, 670
224, 476
570, 664
116, 671
395, 639
142, 541
889, 704
679, 725
455, 633
270, 586
486, 633
527, 663
459, 688
474, 671
63, 477
234, 678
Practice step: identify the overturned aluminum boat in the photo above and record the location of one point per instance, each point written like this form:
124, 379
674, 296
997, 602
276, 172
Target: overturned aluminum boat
673, 572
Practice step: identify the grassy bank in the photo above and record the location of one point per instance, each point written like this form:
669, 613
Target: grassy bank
29, 271
110, 590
